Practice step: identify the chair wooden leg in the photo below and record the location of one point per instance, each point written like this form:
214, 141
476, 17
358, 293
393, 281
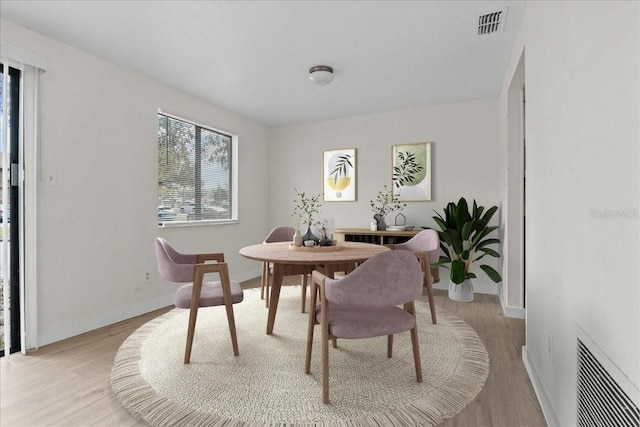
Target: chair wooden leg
415, 344
325, 365
416, 354
325, 346
267, 286
267, 296
263, 279
232, 329
428, 280
307, 362
228, 304
389, 346
432, 305
193, 315
304, 284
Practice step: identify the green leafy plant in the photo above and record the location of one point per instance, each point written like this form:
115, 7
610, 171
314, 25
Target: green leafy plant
386, 202
464, 241
306, 207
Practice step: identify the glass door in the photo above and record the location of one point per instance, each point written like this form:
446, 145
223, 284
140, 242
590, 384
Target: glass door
9, 217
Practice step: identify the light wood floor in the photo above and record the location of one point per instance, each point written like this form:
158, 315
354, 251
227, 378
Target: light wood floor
67, 383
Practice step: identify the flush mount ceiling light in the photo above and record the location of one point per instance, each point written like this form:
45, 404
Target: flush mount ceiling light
321, 75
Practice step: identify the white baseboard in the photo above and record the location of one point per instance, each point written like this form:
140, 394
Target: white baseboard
103, 320
515, 312
479, 288
545, 403
489, 289
118, 315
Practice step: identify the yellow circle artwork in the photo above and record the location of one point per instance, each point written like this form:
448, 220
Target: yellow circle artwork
339, 180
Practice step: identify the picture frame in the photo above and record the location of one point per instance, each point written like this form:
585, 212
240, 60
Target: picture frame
411, 171
339, 175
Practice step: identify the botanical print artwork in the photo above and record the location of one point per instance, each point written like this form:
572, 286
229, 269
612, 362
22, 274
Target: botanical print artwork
339, 175
411, 171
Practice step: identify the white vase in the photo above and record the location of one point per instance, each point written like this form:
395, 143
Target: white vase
462, 292
297, 238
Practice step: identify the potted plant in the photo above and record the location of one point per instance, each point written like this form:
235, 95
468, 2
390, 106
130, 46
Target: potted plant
305, 209
464, 241
384, 204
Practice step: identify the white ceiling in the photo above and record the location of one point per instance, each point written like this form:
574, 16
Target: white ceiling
253, 58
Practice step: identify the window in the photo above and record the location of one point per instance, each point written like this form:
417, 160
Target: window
196, 173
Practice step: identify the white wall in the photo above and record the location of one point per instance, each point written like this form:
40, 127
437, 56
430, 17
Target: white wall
583, 162
465, 162
97, 223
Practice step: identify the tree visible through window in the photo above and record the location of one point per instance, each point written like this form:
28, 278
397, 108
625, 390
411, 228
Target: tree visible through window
194, 172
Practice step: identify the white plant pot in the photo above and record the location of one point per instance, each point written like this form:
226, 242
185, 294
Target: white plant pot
462, 292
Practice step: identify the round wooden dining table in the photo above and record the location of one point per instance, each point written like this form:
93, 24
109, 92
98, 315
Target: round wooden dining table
289, 260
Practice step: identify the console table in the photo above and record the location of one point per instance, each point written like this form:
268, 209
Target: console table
386, 237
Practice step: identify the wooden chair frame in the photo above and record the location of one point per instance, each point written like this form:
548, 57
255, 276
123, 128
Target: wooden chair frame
318, 290
202, 268
423, 258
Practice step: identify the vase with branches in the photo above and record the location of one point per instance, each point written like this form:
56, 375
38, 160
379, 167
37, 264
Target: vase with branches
306, 208
385, 203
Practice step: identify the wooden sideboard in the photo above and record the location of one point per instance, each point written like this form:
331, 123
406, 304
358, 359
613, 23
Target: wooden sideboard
386, 237
364, 235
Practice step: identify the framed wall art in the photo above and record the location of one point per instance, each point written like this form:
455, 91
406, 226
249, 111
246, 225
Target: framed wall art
411, 171
339, 175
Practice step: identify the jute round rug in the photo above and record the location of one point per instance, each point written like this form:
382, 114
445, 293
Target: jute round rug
266, 384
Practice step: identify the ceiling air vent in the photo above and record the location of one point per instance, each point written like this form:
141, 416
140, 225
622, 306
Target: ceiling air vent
491, 22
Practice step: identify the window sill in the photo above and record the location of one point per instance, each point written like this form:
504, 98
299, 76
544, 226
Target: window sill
203, 223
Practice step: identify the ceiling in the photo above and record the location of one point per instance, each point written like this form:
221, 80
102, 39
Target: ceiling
253, 58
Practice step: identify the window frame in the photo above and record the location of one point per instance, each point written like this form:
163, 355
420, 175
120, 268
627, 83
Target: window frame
233, 185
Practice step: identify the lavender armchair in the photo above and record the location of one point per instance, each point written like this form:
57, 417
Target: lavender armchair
176, 267
425, 246
365, 304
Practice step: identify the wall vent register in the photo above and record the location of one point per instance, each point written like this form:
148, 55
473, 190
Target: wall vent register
601, 400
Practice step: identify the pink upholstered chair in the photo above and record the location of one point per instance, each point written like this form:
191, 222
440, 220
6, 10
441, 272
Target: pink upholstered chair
425, 245
280, 234
365, 304
181, 268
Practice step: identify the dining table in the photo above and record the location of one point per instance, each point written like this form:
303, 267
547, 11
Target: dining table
288, 259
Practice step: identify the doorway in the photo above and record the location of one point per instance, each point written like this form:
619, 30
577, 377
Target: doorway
513, 294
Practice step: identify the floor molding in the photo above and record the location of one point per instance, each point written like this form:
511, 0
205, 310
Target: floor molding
478, 288
106, 319
509, 311
543, 398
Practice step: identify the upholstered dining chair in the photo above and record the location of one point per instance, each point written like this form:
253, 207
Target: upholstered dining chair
425, 246
280, 234
364, 304
182, 268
